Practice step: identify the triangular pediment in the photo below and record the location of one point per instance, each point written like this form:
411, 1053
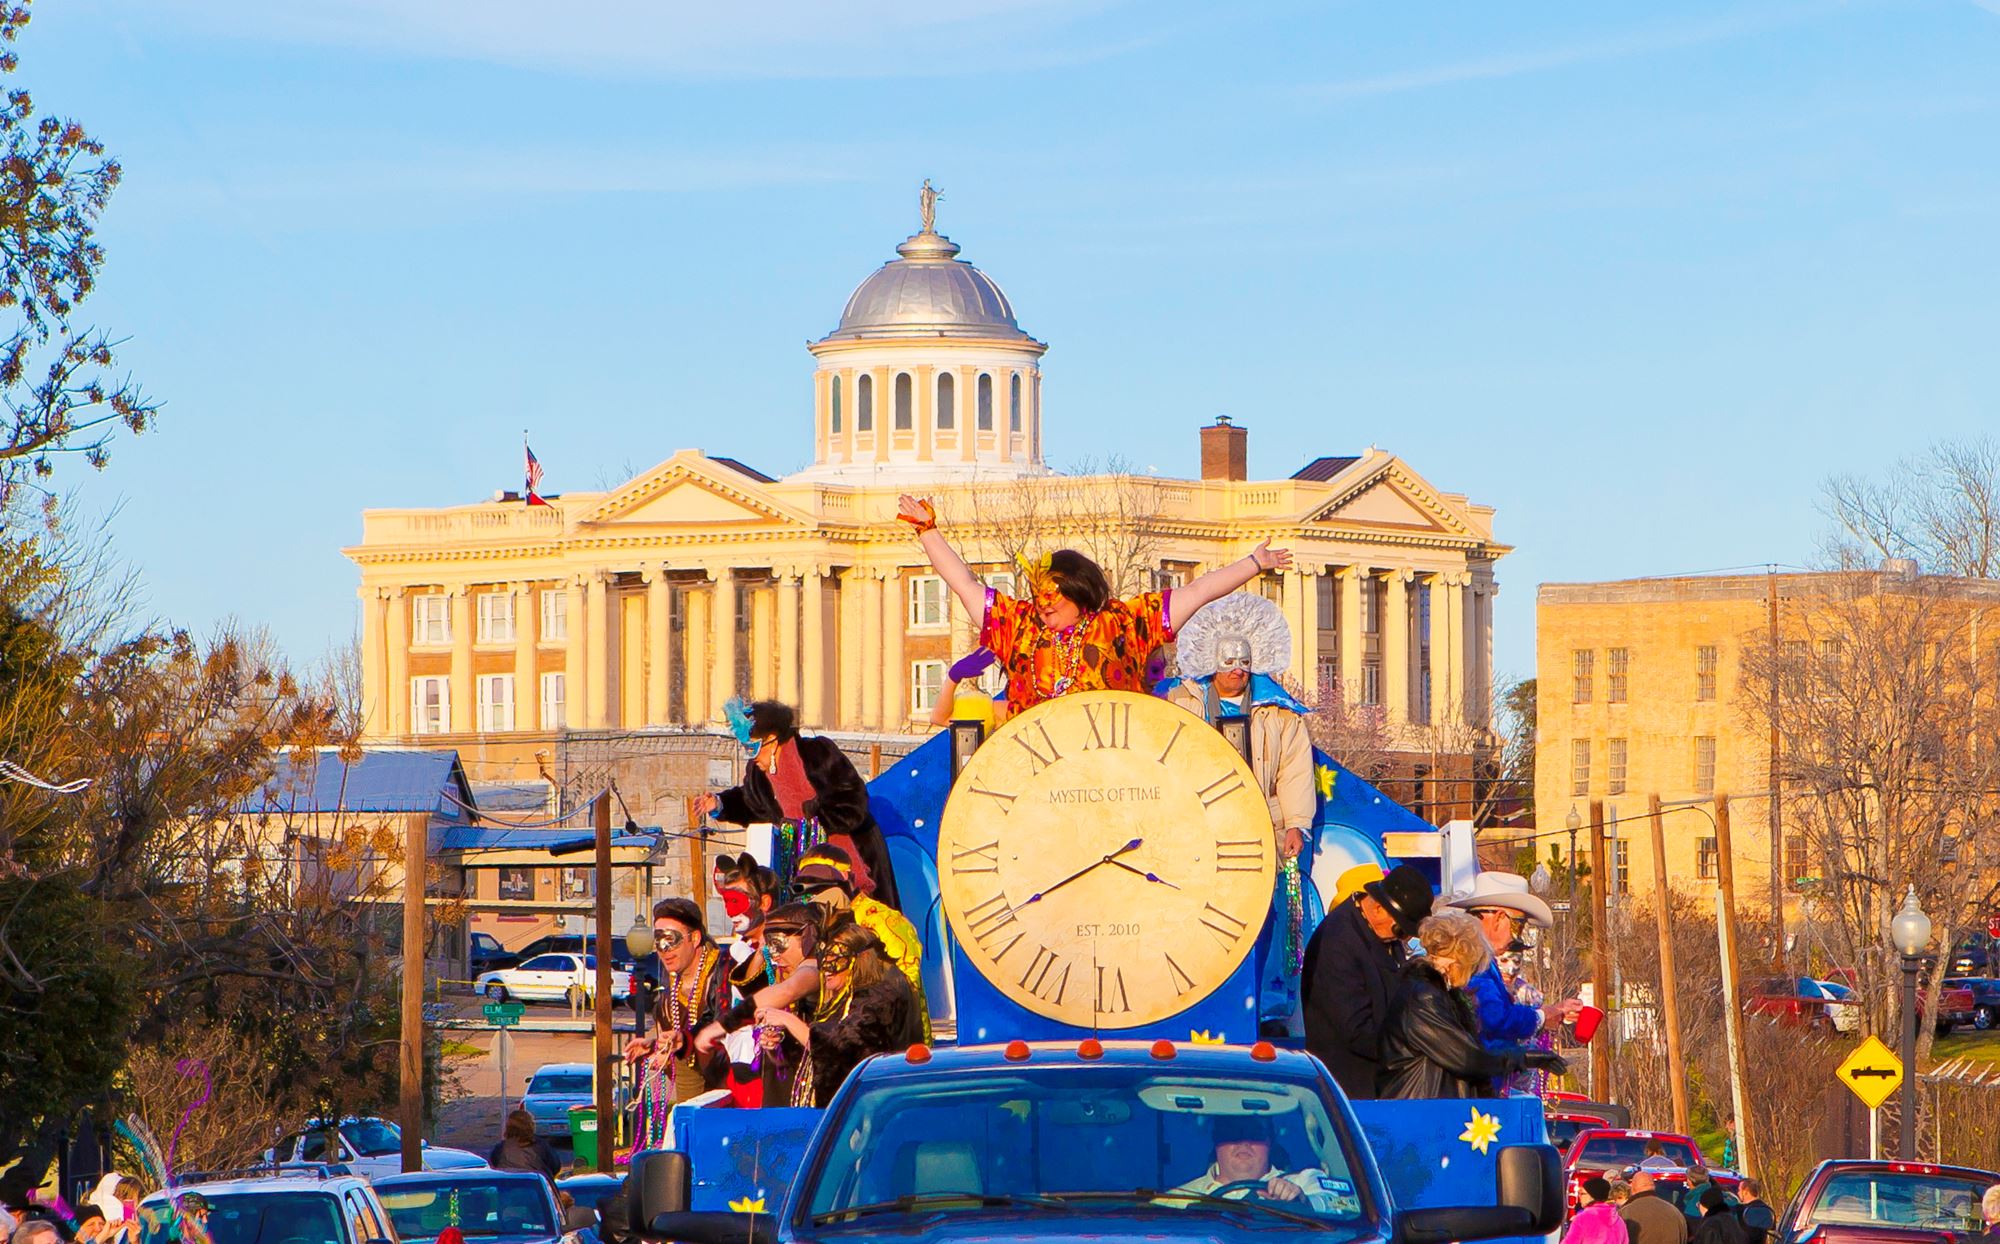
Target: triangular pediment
1390, 495
689, 490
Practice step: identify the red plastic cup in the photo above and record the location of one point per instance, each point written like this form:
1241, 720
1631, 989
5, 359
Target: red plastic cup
1586, 1022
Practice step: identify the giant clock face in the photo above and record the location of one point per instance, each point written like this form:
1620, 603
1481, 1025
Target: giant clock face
1106, 859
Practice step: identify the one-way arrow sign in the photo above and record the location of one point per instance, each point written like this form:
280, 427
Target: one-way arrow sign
1872, 1071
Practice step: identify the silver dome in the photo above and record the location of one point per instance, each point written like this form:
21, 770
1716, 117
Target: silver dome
927, 292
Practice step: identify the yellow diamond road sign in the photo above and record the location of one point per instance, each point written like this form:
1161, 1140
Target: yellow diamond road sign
1872, 1072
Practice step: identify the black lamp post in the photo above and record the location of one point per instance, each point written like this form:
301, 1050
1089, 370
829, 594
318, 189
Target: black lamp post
1909, 933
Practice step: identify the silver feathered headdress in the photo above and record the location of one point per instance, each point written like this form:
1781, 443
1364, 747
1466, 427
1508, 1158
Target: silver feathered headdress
1243, 615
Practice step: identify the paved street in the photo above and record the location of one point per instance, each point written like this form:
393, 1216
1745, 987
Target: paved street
473, 1121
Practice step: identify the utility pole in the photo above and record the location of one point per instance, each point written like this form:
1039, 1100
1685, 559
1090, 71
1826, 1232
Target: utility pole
1771, 798
1732, 985
1670, 1007
410, 1097
607, 1064
1600, 950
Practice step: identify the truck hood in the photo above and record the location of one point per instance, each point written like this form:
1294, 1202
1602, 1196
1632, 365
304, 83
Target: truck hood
1105, 1228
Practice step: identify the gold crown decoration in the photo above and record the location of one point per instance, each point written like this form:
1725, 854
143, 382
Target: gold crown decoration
1203, 1038
748, 1205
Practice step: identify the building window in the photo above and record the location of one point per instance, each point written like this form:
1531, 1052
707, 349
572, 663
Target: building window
1704, 764
430, 620
984, 398
517, 885
496, 702
834, 405
555, 702
1796, 866
1371, 604
1001, 581
1704, 859
1617, 664
496, 618
1014, 403
1582, 672
906, 402
926, 681
947, 401
1621, 864
1329, 674
575, 883
555, 616
1371, 682
864, 404
1829, 651
1614, 764
1704, 672
430, 705
1579, 766
929, 609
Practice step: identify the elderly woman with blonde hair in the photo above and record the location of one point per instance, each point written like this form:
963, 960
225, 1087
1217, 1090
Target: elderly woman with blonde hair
1430, 1038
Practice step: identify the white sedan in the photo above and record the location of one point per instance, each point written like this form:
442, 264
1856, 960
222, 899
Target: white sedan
552, 978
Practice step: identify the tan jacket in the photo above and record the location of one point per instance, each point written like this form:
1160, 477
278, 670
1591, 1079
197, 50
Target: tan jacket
1282, 757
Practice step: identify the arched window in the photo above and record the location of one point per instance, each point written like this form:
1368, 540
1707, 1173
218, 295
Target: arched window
905, 402
947, 401
1014, 404
864, 404
985, 402
835, 425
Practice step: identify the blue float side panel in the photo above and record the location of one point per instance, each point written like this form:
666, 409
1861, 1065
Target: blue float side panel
1420, 1147
739, 1154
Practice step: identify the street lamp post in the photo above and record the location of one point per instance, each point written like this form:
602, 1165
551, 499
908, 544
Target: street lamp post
1572, 822
1909, 933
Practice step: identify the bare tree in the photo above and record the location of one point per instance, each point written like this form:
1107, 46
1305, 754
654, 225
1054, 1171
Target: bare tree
1941, 509
1101, 509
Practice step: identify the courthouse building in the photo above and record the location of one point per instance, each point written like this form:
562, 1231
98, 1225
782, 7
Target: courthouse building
503, 630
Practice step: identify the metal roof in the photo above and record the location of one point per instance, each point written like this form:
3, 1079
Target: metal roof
383, 780
928, 291
1320, 470
510, 796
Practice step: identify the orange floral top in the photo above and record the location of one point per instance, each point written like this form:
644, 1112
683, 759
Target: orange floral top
1106, 651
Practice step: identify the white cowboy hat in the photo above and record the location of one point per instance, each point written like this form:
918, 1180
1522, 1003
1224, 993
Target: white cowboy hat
1509, 890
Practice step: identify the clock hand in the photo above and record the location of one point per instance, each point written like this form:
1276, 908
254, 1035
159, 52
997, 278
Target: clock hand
1109, 859
1148, 876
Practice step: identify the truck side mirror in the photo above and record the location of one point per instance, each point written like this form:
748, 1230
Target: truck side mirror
1531, 1202
659, 1184
714, 1228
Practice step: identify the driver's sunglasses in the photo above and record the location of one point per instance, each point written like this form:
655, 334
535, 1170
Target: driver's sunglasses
668, 939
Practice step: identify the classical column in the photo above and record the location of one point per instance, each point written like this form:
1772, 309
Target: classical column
527, 687
1307, 643
576, 653
895, 675
1396, 646
1444, 640
968, 413
847, 686
374, 660
396, 698
698, 641
1478, 673
1350, 632
869, 640
788, 635
659, 643
812, 651
763, 626
722, 638
1460, 688
597, 642
1291, 584
925, 378
464, 715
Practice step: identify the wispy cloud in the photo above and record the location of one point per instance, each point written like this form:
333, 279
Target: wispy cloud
1642, 42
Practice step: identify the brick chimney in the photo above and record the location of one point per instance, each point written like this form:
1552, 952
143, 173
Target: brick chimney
1225, 450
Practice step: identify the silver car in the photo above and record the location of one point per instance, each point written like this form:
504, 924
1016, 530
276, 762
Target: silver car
552, 1090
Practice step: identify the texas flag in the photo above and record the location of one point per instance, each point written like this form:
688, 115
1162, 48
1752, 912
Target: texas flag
534, 475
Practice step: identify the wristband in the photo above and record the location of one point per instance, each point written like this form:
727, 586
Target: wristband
927, 523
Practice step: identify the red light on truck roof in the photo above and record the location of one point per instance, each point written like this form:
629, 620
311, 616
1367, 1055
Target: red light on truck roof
1163, 1049
1017, 1051
1090, 1048
1264, 1052
918, 1054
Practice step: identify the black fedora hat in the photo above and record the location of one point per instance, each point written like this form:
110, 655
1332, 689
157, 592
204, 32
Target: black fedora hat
1405, 895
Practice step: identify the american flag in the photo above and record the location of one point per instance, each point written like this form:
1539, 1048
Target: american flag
534, 475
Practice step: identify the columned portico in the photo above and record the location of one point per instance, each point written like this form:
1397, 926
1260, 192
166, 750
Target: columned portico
722, 640
659, 644
1396, 646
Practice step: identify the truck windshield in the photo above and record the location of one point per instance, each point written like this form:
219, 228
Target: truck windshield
1899, 1198
1144, 1141
492, 1208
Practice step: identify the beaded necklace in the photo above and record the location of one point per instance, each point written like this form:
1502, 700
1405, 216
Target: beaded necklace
681, 1016
1067, 644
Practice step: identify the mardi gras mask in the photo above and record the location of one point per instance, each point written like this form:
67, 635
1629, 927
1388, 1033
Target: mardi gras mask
1232, 653
834, 962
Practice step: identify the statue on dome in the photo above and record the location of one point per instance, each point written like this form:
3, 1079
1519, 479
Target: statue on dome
1230, 655
1069, 633
927, 207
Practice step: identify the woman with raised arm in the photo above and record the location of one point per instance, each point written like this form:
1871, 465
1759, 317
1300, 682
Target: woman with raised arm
1069, 634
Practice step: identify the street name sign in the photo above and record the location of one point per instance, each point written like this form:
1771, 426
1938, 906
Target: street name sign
1872, 1071
504, 1014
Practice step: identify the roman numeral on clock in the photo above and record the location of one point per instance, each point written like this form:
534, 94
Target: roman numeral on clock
1239, 855
1106, 1002
1110, 726
1171, 740
984, 859
1227, 929
1182, 982
1218, 790
989, 922
1005, 800
1039, 761
1042, 978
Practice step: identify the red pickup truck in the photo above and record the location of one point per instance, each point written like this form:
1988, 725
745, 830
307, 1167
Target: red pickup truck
1611, 1151
1856, 1201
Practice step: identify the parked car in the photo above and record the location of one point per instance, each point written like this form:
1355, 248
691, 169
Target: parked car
1973, 952
574, 944
1857, 1201
1985, 999
303, 1203
1841, 1007
1564, 1128
1805, 1002
371, 1148
1957, 1008
486, 954
1578, 1103
509, 1207
551, 978
552, 1090
1596, 1151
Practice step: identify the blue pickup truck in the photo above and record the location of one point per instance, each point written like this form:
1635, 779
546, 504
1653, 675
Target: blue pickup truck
1119, 1140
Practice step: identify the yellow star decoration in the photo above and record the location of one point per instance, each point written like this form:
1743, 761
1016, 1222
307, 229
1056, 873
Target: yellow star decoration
1202, 1038
1019, 1109
748, 1205
1323, 776
1482, 1131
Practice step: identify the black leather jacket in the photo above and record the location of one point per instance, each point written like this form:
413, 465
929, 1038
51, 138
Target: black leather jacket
1430, 1041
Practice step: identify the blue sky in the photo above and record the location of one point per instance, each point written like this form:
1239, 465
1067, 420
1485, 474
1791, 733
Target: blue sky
1641, 276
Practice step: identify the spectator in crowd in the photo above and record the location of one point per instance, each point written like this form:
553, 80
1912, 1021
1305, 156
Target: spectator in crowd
1350, 976
1754, 1211
1598, 1221
1649, 1216
521, 1150
1719, 1223
1989, 1211
36, 1231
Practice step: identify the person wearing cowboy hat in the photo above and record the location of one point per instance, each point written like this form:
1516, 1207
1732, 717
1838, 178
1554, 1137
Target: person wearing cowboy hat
1505, 907
1353, 967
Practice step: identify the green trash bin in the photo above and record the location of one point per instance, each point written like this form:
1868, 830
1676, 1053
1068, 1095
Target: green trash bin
583, 1136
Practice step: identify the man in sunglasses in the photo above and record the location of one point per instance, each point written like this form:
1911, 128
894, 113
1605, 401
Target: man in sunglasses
1506, 909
